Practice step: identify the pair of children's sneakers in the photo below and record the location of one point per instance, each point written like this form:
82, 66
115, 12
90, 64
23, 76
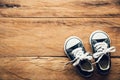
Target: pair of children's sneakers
100, 44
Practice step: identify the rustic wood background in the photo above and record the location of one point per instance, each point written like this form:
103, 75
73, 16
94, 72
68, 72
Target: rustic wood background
32, 34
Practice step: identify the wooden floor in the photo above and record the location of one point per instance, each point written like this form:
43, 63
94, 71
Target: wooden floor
32, 35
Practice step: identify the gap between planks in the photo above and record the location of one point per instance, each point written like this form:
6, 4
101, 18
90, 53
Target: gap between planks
54, 17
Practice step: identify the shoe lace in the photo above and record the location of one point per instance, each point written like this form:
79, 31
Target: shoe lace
79, 55
102, 48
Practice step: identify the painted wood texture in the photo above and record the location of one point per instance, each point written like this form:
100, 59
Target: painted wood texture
60, 8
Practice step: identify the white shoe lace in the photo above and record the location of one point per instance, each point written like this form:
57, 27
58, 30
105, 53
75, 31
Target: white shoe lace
102, 49
79, 55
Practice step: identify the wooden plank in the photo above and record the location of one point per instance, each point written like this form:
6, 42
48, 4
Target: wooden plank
6, 75
32, 37
48, 68
60, 8
118, 40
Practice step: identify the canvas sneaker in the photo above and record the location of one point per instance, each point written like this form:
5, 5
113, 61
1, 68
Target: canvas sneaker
80, 59
100, 44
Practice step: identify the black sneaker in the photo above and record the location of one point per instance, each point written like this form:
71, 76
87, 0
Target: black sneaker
100, 44
75, 51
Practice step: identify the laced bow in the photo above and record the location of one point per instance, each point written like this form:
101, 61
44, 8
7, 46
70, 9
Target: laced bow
79, 55
102, 48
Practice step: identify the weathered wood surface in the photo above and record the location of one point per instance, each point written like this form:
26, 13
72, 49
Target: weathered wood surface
60, 8
45, 37
48, 68
32, 35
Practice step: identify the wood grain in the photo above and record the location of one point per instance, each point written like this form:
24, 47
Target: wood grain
46, 36
48, 68
60, 8
118, 40
33, 32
